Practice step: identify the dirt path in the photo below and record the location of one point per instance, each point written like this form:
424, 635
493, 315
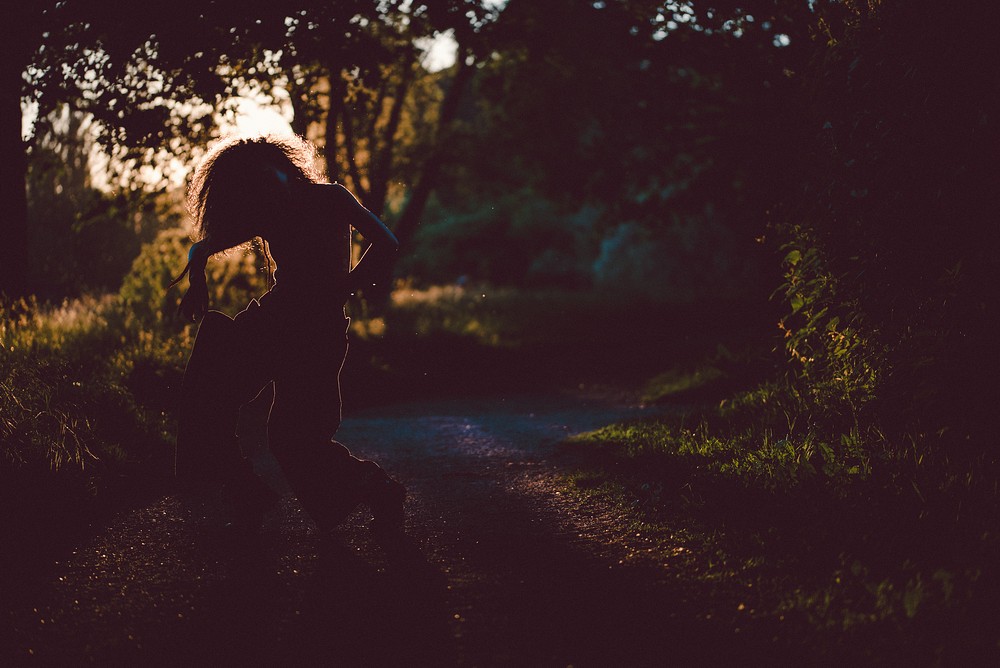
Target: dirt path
498, 567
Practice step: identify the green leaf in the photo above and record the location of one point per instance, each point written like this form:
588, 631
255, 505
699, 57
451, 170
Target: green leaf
793, 257
911, 599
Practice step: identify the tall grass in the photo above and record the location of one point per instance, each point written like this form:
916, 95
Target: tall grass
66, 399
87, 386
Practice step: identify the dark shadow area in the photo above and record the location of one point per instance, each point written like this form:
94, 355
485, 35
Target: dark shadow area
44, 517
489, 573
531, 582
167, 586
347, 611
361, 614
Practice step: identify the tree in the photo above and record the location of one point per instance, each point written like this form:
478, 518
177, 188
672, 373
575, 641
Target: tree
153, 75
13, 199
678, 134
901, 210
129, 67
357, 86
81, 238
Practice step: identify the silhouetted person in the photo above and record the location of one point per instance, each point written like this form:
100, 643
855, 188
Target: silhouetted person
295, 335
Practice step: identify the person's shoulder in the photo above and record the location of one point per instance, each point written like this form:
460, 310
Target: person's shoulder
332, 195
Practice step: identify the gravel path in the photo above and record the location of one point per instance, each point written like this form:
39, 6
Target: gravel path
498, 567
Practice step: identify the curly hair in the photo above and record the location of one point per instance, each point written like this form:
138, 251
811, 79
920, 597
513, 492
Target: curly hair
236, 181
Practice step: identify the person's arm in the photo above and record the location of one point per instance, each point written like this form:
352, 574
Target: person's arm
194, 303
375, 263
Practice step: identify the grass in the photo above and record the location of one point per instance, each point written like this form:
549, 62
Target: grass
72, 377
88, 386
67, 404
877, 555
84, 419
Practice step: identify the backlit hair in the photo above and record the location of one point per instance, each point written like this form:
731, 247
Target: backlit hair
236, 180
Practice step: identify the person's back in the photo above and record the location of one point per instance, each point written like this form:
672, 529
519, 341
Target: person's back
312, 246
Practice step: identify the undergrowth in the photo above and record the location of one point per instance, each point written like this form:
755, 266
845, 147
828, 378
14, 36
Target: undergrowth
64, 378
858, 537
88, 385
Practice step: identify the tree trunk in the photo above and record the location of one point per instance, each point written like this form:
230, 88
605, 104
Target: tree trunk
13, 196
347, 127
406, 226
381, 162
300, 115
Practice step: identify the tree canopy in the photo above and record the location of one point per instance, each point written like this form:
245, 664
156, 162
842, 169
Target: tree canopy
154, 76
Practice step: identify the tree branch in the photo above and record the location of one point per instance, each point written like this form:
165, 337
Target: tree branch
406, 226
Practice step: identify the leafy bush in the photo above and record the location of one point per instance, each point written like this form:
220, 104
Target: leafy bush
835, 368
518, 239
889, 249
233, 279
83, 238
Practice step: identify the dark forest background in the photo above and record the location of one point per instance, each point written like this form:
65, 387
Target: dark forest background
791, 201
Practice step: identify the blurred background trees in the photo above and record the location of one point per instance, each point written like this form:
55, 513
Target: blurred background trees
836, 154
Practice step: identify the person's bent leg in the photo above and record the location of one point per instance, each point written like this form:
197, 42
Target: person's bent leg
209, 409
331, 483
218, 380
328, 480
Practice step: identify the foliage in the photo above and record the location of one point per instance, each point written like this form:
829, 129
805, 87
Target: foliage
827, 131
769, 458
82, 238
90, 385
518, 239
836, 367
855, 543
454, 310
888, 276
234, 278
500, 317
636, 125
68, 399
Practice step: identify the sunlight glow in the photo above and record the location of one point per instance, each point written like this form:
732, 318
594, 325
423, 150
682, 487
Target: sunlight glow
440, 51
255, 116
